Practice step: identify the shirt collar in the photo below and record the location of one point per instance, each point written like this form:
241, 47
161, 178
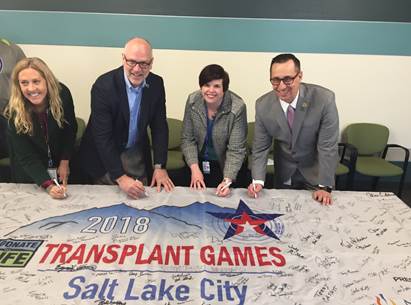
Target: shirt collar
285, 105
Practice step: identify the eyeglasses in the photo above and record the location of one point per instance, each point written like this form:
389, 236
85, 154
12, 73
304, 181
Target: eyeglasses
132, 63
288, 80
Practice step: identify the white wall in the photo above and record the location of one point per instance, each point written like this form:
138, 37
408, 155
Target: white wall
368, 88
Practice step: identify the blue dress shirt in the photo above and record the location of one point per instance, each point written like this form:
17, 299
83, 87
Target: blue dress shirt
134, 95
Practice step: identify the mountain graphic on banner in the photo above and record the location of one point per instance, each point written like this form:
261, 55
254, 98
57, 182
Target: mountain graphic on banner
112, 219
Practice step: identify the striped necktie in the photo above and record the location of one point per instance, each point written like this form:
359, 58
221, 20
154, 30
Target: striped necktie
290, 116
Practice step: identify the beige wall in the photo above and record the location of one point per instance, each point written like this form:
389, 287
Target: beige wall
368, 88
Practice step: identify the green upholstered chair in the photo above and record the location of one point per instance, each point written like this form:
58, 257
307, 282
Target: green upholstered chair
5, 162
342, 169
346, 166
371, 143
175, 159
81, 127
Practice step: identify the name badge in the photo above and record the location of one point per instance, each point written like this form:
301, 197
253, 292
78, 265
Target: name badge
206, 167
52, 173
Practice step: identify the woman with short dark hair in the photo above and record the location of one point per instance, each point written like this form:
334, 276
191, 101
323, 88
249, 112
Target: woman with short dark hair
214, 132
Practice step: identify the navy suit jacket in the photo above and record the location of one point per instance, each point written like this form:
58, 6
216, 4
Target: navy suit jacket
106, 134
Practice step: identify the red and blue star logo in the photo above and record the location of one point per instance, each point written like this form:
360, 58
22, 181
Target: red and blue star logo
245, 217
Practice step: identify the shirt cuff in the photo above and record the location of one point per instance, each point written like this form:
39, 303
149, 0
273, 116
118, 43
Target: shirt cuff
325, 188
261, 182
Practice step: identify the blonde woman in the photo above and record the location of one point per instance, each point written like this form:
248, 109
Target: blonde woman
42, 127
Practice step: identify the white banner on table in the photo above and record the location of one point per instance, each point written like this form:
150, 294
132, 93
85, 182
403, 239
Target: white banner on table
100, 247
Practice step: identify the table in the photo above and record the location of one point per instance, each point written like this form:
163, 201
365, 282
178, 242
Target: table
190, 247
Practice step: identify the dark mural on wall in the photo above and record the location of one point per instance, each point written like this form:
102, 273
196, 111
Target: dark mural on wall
358, 10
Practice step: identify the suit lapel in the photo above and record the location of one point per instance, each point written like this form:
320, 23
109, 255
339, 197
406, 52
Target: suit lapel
278, 113
199, 107
302, 106
124, 108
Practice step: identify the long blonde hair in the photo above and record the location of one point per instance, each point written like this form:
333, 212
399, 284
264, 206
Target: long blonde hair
19, 109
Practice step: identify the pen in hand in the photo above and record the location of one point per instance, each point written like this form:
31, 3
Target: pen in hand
255, 194
59, 186
224, 187
145, 192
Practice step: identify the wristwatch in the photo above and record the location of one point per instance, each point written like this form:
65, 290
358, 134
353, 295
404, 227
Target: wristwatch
326, 188
159, 166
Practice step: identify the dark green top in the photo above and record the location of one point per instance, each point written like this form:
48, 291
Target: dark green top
28, 154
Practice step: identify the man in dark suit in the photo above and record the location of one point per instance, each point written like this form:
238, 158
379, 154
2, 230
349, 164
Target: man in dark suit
303, 121
124, 102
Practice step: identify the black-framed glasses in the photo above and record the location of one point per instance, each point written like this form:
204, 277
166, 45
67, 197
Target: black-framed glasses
132, 63
288, 80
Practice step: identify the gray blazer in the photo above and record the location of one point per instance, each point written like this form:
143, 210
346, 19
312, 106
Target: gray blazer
312, 147
229, 131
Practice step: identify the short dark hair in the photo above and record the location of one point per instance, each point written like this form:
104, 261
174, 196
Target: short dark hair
213, 72
282, 58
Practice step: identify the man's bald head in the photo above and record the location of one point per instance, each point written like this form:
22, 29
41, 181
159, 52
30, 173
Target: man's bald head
137, 43
137, 60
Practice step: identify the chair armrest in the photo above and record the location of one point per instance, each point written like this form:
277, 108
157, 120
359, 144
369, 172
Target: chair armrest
353, 154
406, 153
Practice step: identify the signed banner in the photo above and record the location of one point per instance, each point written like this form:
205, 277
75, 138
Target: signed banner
190, 247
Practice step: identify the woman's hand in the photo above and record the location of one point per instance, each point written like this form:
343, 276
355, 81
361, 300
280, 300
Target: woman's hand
197, 178
63, 171
223, 189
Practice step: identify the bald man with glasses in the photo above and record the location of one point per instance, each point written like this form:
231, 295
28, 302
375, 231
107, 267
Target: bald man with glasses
302, 120
125, 101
